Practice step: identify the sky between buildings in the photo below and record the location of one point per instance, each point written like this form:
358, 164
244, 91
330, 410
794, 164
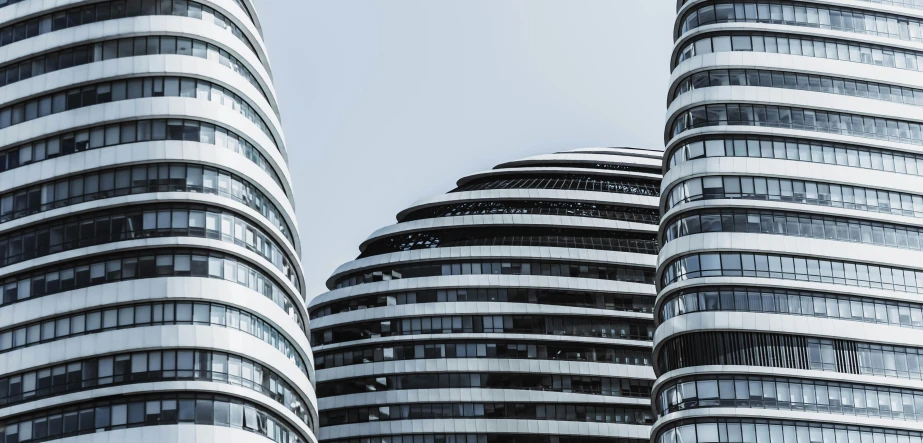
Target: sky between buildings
386, 102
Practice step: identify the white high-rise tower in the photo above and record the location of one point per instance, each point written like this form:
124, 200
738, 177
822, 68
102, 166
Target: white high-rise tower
149, 257
789, 281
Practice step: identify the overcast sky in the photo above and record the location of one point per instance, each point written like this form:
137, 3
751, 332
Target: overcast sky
385, 102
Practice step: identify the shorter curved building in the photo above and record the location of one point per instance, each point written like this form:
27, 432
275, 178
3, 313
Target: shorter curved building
515, 308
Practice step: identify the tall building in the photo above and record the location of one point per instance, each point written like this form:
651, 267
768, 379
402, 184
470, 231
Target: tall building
789, 274
149, 259
515, 308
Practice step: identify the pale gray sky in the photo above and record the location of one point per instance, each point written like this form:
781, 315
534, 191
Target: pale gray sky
385, 102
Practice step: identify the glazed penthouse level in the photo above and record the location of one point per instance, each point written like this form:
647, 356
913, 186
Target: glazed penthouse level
150, 281
789, 281
515, 308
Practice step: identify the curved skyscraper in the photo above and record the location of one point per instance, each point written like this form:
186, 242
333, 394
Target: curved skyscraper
789, 279
149, 259
515, 308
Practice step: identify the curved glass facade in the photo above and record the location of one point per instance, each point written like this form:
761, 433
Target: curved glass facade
503, 315
504, 349
150, 267
788, 275
739, 430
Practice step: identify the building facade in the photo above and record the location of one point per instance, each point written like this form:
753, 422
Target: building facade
789, 274
515, 308
149, 256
